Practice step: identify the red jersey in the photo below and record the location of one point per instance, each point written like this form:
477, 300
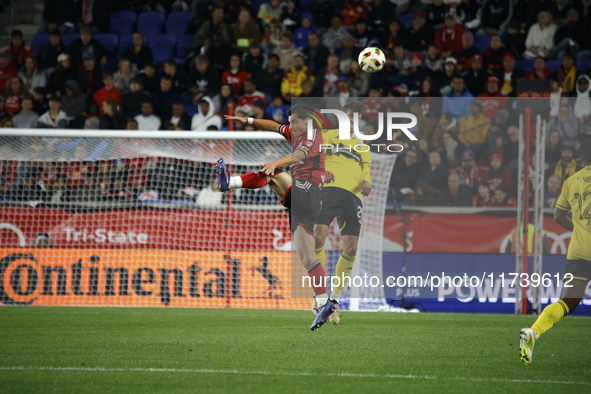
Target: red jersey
492, 103
12, 104
312, 167
235, 80
18, 55
352, 11
5, 74
103, 95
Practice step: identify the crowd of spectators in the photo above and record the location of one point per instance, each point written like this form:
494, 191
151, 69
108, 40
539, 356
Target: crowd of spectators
454, 64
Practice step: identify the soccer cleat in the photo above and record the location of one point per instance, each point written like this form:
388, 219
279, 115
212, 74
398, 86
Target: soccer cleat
314, 306
224, 178
324, 313
335, 318
527, 340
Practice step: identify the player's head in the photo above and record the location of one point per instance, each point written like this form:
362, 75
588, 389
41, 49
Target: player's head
298, 120
584, 153
351, 108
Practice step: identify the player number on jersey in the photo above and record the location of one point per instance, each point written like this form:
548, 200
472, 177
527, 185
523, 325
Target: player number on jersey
584, 205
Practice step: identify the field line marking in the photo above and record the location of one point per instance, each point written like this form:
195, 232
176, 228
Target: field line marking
235, 372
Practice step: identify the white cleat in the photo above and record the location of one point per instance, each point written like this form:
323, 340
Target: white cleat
527, 340
335, 318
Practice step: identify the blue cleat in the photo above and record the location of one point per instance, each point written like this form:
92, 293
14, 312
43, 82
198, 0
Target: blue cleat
324, 313
224, 178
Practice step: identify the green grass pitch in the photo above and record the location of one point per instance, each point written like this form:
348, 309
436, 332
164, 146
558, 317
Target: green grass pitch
127, 350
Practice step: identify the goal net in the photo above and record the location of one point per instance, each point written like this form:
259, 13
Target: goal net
100, 218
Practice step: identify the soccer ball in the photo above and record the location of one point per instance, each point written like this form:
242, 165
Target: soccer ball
372, 59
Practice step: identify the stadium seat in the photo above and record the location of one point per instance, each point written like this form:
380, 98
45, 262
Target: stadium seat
109, 41
124, 43
192, 109
525, 65
150, 23
583, 64
162, 47
177, 23
39, 41
482, 43
554, 65
112, 64
68, 39
123, 22
406, 18
184, 43
256, 4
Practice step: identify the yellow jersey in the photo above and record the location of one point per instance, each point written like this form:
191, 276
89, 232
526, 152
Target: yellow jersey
576, 197
349, 160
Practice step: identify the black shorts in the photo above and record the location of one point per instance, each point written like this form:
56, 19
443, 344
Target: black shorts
303, 202
579, 269
345, 206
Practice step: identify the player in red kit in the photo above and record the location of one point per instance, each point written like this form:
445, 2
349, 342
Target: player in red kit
300, 194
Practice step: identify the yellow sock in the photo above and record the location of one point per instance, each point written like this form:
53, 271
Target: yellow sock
550, 315
343, 270
321, 255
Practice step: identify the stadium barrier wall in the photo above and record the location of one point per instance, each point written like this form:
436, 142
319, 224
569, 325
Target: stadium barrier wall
145, 278
195, 229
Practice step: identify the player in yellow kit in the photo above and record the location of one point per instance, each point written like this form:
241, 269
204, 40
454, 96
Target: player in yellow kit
575, 197
348, 170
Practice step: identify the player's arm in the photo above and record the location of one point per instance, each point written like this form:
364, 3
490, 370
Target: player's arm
263, 124
561, 217
562, 208
298, 155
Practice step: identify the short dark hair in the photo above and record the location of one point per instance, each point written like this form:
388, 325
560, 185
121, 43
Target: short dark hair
171, 62
107, 74
355, 106
166, 78
55, 32
298, 111
273, 56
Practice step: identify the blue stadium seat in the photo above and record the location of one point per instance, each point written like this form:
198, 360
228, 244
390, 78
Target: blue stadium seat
184, 43
406, 18
525, 65
192, 109
68, 39
109, 41
112, 64
39, 41
177, 23
554, 65
162, 47
124, 43
256, 4
482, 43
123, 22
179, 60
150, 23
583, 64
